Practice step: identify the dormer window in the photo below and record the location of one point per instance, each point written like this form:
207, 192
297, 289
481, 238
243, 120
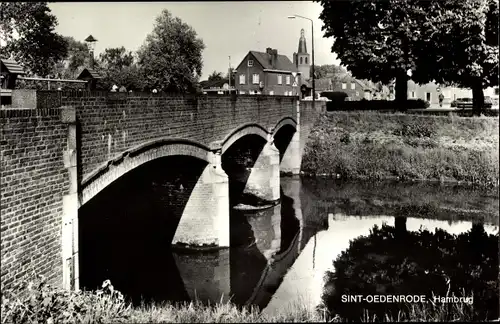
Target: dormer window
250, 63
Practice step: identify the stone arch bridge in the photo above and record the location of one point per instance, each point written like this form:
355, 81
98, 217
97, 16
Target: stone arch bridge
60, 150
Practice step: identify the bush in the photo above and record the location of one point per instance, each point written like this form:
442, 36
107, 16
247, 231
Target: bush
364, 104
39, 302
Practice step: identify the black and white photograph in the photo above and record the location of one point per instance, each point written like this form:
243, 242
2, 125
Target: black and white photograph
249, 161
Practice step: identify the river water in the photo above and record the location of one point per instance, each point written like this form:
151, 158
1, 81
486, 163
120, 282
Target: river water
279, 256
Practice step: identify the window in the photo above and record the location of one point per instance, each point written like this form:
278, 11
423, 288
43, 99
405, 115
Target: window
357, 93
280, 79
344, 85
300, 60
287, 79
353, 86
250, 63
496, 91
255, 79
306, 59
428, 96
242, 92
242, 79
413, 94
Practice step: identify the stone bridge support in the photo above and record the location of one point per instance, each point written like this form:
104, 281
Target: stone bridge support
264, 179
70, 204
205, 220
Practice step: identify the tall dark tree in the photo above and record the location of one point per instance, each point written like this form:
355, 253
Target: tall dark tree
171, 57
463, 36
27, 30
376, 40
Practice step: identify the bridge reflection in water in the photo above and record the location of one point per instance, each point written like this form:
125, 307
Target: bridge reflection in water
264, 245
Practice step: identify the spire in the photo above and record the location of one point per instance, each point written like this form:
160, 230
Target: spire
302, 43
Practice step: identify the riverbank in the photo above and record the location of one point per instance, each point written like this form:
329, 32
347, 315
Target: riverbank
375, 146
38, 302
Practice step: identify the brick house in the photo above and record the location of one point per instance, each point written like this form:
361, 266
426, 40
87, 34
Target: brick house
267, 73
354, 88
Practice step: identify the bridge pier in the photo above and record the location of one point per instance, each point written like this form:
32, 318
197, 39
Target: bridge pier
69, 234
205, 220
264, 179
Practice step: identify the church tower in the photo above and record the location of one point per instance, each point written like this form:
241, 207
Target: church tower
301, 59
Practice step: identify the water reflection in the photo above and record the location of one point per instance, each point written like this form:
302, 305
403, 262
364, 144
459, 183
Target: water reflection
278, 256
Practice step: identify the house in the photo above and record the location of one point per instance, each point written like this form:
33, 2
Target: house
430, 92
9, 70
91, 76
216, 86
267, 73
354, 88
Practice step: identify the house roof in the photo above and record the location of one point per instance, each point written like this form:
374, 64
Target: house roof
283, 63
89, 72
12, 66
213, 83
365, 85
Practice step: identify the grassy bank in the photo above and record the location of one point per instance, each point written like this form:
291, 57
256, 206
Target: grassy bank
38, 302
371, 145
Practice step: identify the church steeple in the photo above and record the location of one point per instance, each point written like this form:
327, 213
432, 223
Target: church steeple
302, 43
301, 59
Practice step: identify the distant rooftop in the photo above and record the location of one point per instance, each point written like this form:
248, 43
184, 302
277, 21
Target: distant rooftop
282, 62
12, 67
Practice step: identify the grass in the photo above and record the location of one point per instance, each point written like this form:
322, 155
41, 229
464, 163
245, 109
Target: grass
373, 145
42, 303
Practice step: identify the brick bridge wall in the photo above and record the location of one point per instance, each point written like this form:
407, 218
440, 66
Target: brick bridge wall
32, 181
33, 174
115, 122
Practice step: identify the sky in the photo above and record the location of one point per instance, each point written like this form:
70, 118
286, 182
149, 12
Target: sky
228, 29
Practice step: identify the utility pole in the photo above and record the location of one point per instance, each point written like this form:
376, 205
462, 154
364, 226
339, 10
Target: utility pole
229, 74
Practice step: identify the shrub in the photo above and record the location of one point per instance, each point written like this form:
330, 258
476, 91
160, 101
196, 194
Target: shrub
38, 302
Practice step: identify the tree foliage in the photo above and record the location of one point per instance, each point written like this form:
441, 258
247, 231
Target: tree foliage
215, 76
119, 67
450, 41
171, 57
464, 37
77, 57
27, 30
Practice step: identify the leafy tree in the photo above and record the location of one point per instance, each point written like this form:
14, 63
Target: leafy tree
36, 46
215, 76
464, 38
376, 40
171, 57
332, 70
118, 66
77, 58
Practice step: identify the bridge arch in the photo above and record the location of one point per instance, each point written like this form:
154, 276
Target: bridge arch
247, 129
287, 121
113, 169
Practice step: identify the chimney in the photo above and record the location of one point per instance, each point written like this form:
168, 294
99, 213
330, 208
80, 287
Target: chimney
274, 58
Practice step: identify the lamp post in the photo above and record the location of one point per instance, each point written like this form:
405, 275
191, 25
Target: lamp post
91, 41
312, 43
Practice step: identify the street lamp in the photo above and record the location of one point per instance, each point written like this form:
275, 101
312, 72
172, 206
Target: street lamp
91, 42
312, 43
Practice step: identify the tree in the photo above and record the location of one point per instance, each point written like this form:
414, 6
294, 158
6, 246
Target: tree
36, 46
78, 56
464, 35
171, 57
215, 76
377, 40
118, 66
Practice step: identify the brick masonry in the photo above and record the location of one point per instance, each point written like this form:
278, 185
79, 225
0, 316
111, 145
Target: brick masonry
33, 182
33, 175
